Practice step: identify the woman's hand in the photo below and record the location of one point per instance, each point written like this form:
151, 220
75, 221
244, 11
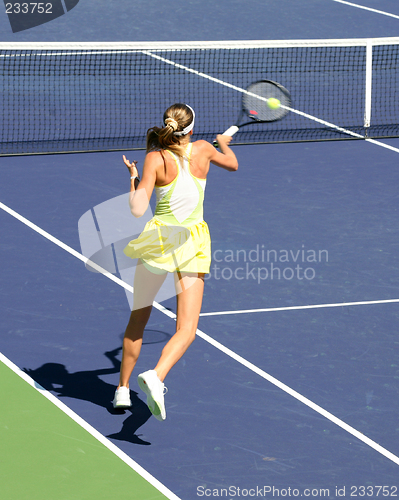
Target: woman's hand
223, 140
131, 167
226, 157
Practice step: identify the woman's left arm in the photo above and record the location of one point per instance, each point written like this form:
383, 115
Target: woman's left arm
139, 198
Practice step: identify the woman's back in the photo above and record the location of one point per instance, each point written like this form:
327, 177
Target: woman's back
167, 169
181, 200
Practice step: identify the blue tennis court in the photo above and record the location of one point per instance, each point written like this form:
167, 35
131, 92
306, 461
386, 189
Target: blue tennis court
291, 387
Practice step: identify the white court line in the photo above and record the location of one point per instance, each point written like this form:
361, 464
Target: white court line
244, 91
91, 430
117, 451
65, 247
226, 351
298, 308
367, 8
382, 144
300, 398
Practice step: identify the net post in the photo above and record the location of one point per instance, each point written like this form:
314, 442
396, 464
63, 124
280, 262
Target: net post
369, 78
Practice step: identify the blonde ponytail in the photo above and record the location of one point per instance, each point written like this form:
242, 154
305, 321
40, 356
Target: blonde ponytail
176, 119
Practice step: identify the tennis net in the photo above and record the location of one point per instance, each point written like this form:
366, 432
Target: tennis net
60, 97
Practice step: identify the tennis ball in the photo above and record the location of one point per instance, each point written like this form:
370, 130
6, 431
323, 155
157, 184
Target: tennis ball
273, 103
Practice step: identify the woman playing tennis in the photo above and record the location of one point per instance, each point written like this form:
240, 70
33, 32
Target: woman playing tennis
176, 240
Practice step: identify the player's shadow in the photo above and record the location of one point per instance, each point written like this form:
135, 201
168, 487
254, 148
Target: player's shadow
88, 386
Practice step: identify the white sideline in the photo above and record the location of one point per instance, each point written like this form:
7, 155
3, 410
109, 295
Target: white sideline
367, 8
244, 91
91, 430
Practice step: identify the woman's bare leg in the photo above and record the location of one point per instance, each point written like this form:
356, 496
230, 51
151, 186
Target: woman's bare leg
146, 286
190, 289
132, 343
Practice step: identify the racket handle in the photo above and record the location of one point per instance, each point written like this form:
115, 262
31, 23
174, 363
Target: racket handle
230, 132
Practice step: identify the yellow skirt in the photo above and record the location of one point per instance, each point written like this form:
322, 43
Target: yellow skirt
173, 248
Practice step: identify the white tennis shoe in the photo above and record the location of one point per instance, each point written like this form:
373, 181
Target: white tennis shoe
122, 398
155, 390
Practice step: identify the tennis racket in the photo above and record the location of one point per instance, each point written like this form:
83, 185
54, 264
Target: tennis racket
257, 105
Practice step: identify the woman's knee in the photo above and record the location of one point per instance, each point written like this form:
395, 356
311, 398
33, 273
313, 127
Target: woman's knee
139, 317
189, 330
192, 335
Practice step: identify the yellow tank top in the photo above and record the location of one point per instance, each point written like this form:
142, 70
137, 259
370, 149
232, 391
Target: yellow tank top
181, 201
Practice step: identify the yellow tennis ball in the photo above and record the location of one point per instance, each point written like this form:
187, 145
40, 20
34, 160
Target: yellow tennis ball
273, 103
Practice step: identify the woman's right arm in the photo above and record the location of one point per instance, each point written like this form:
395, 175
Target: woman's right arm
139, 198
225, 158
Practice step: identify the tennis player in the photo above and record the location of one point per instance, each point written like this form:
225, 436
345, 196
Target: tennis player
176, 240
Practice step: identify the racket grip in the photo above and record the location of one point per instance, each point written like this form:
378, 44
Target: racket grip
230, 131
